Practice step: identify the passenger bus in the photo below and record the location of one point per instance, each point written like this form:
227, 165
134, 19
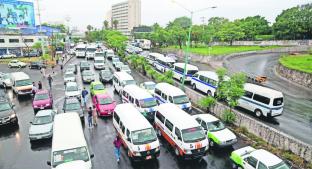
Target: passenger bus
80, 51
90, 52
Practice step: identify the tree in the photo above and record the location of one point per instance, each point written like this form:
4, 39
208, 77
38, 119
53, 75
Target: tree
115, 23
89, 28
183, 22
105, 24
253, 26
177, 35
207, 103
37, 46
230, 32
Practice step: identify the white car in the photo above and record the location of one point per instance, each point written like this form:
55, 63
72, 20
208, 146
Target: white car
148, 86
42, 125
125, 68
216, 131
72, 90
250, 158
16, 63
8, 56
69, 76
5, 80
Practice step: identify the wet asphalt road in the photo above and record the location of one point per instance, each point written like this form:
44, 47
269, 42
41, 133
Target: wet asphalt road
297, 115
16, 152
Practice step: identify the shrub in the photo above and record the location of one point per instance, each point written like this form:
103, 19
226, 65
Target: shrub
207, 103
228, 117
170, 81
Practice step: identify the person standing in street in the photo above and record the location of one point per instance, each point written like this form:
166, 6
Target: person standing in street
39, 85
50, 80
84, 95
94, 116
117, 145
90, 117
33, 89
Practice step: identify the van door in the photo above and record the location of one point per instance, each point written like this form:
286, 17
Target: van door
244, 101
178, 137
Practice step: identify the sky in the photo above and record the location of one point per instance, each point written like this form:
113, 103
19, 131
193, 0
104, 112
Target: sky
80, 13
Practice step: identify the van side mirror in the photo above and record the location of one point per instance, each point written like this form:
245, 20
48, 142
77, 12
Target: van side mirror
91, 155
49, 163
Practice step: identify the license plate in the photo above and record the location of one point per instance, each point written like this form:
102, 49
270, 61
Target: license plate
148, 157
41, 108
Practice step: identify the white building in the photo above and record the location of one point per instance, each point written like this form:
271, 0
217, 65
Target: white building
128, 15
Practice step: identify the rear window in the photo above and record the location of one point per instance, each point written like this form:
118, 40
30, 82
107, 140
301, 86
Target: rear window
278, 101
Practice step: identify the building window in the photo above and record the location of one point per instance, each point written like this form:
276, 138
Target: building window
14, 40
1, 40
28, 40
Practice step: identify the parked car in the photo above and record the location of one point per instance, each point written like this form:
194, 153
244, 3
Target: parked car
149, 86
125, 68
84, 65
42, 100
42, 125
37, 65
218, 134
106, 76
16, 63
72, 90
8, 56
31, 54
104, 104
97, 88
73, 105
118, 65
72, 67
115, 60
87, 76
5, 80
69, 77
251, 158
7, 112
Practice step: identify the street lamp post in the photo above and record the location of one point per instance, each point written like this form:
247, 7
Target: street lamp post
187, 52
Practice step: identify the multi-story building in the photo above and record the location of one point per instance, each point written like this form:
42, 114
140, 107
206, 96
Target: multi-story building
127, 14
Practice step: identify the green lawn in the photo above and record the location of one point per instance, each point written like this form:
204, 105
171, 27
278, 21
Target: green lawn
298, 62
223, 50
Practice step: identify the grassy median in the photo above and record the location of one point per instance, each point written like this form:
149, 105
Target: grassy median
301, 63
222, 50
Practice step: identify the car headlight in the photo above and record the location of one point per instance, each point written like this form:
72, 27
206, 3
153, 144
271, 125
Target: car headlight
13, 115
48, 104
136, 153
188, 151
157, 149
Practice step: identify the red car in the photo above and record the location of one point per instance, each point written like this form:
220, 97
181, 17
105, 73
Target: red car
104, 104
42, 100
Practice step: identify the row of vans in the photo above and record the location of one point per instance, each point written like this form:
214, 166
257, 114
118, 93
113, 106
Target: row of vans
261, 100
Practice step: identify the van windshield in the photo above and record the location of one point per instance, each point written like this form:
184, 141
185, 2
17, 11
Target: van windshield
64, 156
98, 61
91, 49
143, 136
25, 82
128, 82
215, 126
99, 54
147, 103
194, 134
180, 99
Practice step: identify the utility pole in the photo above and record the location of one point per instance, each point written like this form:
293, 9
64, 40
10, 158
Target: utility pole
203, 20
40, 28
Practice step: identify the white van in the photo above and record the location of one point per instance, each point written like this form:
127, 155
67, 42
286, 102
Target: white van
163, 63
69, 146
181, 131
151, 58
90, 52
99, 62
99, 53
22, 85
141, 100
166, 93
120, 80
178, 71
137, 134
205, 81
80, 51
262, 101
109, 54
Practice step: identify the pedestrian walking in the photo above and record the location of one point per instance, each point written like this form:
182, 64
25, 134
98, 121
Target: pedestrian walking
33, 89
117, 145
50, 80
62, 68
39, 85
52, 67
90, 117
84, 94
94, 116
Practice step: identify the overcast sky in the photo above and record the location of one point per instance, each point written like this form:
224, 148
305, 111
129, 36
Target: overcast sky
84, 12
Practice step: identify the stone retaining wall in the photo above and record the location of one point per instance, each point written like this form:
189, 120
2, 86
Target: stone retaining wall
296, 76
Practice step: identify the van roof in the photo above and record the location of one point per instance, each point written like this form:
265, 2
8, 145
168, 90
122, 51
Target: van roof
67, 132
131, 117
266, 157
206, 117
156, 55
123, 75
177, 116
19, 75
169, 89
212, 75
262, 90
188, 66
136, 91
165, 59
109, 51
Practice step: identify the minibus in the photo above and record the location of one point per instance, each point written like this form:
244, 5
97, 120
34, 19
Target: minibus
69, 146
120, 80
181, 131
151, 58
166, 93
109, 54
22, 84
163, 63
205, 81
80, 50
178, 71
137, 134
90, 52
262, 101
141, 100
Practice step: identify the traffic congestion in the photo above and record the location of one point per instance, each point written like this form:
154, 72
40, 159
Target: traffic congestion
96, 112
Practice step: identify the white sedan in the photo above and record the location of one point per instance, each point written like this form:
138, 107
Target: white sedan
42, 125
16, 63
8, 56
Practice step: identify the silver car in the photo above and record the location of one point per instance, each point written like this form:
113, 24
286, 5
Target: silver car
87, 76
69, 77
5, 80
42, 125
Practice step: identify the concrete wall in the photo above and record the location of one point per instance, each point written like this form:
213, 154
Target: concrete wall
267, 43
296, 76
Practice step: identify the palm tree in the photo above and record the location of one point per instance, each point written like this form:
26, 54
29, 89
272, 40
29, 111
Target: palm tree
105, 23
115, 23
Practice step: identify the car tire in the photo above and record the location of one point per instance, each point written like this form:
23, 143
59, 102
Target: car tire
211, 143
209, 93
258, 113
194, 86
177, 152
181, 80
